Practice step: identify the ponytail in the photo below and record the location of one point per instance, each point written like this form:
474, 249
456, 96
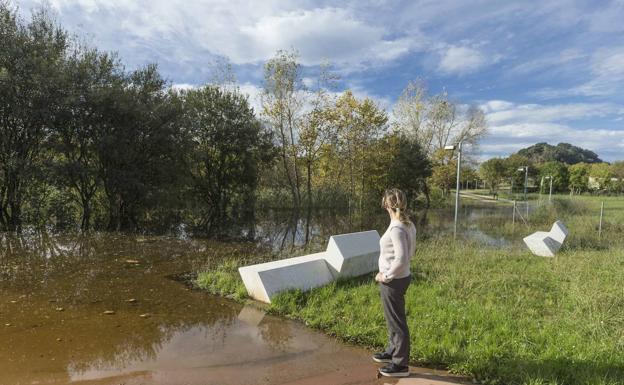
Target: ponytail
395, 199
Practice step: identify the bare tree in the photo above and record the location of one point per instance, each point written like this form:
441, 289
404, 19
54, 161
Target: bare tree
282, 104
435, 121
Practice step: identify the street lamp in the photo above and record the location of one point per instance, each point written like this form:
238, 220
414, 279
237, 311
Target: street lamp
511, 188
526, 179
459, 149
549, 192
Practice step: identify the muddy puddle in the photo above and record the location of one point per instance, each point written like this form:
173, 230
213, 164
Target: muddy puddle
104, 309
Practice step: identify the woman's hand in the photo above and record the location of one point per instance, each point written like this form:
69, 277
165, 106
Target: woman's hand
379, 277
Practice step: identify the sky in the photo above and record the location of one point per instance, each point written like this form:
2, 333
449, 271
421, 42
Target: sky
543, 71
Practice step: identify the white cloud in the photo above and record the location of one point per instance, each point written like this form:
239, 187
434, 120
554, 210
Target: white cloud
183, 86
461, 60
244, 31
558, 60
254, 94
496, 105
606, 73
514, 126
317, 33
546, 113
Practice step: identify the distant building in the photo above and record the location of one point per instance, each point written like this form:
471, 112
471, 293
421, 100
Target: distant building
594, 183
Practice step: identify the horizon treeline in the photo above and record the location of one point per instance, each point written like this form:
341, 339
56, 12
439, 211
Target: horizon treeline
86, 144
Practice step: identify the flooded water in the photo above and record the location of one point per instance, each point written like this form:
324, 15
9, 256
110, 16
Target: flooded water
112, 309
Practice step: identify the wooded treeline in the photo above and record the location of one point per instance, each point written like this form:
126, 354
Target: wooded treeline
85, 143
576, 178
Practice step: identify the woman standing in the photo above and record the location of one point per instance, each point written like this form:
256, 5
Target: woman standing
397, 245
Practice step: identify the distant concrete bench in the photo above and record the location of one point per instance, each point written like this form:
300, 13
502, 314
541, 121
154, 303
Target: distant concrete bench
347, 255
547, 244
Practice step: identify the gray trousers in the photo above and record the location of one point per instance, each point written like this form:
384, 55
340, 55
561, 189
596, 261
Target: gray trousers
393, 301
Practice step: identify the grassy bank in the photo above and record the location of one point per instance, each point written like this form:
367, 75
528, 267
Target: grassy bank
500, 316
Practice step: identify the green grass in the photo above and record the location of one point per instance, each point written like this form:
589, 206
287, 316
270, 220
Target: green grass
500, 316
223, 280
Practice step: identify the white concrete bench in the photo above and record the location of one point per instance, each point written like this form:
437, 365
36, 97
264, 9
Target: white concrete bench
354, 254
547, 244
347, 255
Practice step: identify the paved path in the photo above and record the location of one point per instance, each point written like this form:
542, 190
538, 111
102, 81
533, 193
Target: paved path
251, 349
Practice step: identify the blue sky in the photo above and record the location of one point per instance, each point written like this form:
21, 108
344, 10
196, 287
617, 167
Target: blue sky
544, 71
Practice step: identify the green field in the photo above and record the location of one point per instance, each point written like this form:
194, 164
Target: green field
498, 315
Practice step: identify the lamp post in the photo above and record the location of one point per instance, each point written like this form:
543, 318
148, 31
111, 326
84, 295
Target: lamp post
550, 191
526, 179
511, 188
459, 150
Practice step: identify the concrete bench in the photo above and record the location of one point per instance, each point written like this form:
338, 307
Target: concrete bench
347, 255
547, 244
354, 254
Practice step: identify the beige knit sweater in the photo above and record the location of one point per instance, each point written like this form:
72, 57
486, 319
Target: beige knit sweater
397, 245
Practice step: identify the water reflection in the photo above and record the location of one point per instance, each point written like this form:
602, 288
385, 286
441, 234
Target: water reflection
55, 290
285, 230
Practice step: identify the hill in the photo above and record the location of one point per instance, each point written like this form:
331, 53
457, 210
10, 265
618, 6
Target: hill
562, 152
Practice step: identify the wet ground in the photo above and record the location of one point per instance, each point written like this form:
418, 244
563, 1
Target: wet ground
105, 309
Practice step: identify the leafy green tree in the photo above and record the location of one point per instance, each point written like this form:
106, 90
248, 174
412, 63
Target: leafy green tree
579, 177
31, 69
443, 171
617, 170
400, 163
140, 149
600, 176
221, 123
512, 165
75, 134
468, 176
493, 172
558, 171
358, 123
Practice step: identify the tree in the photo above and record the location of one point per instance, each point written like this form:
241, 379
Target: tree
74, 136
435, 121
617, 170
220, 124
444, 171
400, 163
358, 123
512, 164
31, 68
579, 177
140, 148
282, 104
316, 128
468, 176
556, 170
599, 176
493, 172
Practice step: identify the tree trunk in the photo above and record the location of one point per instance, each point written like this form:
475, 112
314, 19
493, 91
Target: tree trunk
426, 192
309, 183
286, 168
86, 214
14, 214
